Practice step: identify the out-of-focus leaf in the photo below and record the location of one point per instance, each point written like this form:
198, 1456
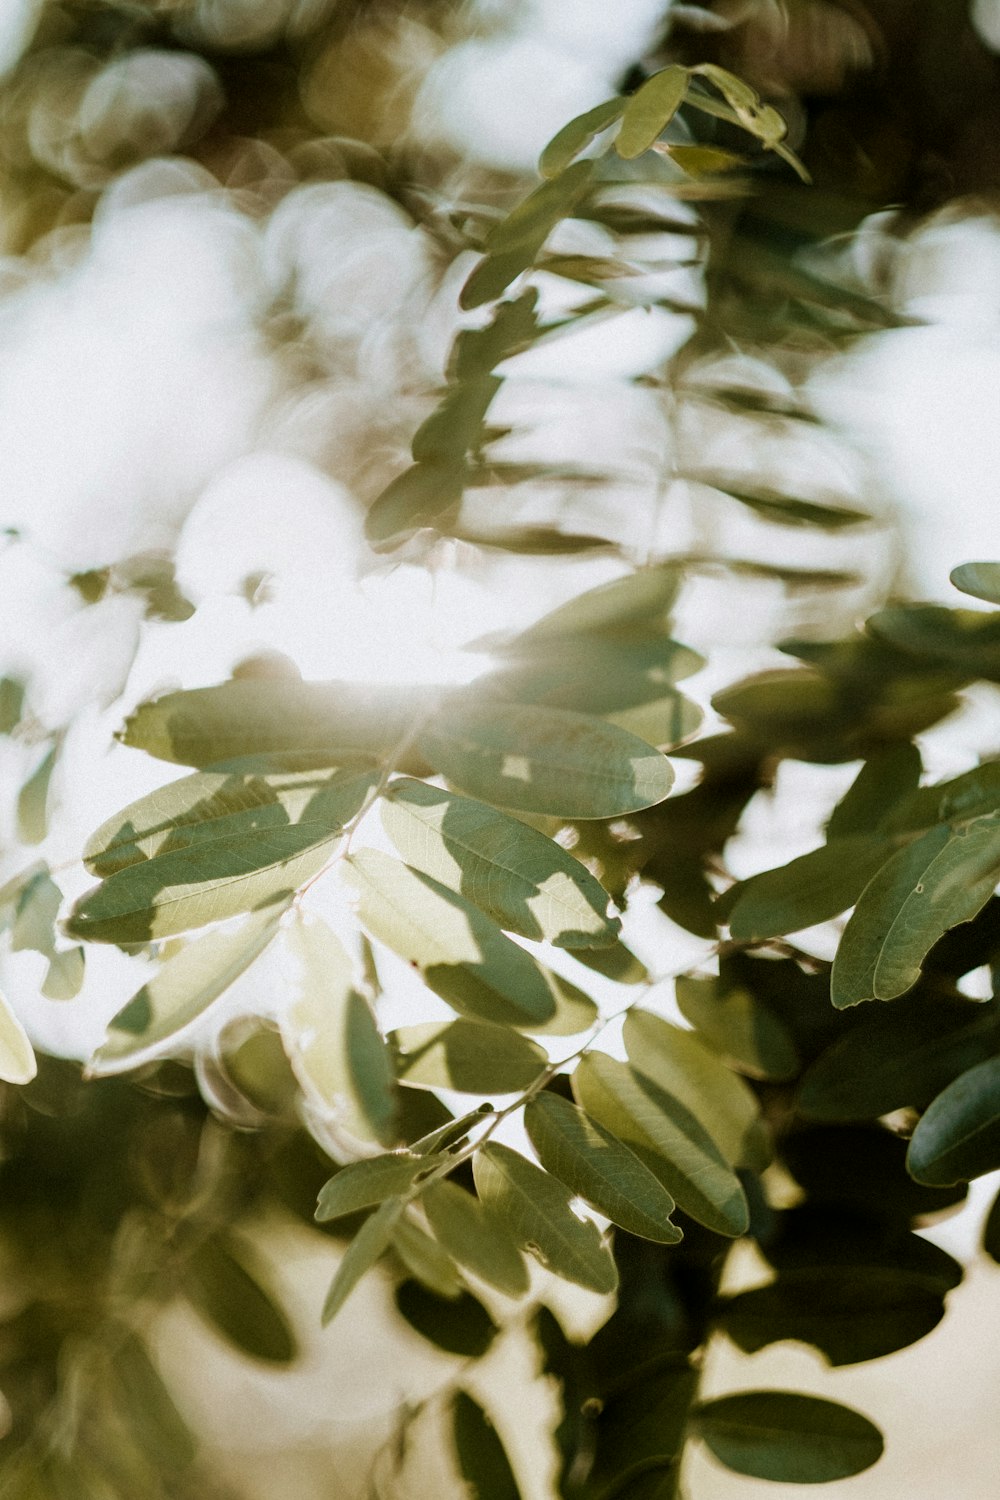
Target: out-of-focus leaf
849, 1317
333, 1042
649, 111
38, 903
221, 1286
808, 890
250, 717
65, 975
368, 1246
17, 1060
470, 1056
455, 428
617, 963
363, 1184
477, 351
965, 640
544, 760
491, 277
636, 605
418, 497
600, 1168
11, 703
535, 1209
474, 1238
886, 780
462, 954
33, 800
980, 579
237, 844
739, 1025
702, 161
180, 993
534, 218
458, 1325
426, 1259
482, 1459
772, 504
862, 1169
148, 1405
683, 1067
991, 1231
942, 879
787, 1437
577, 135
666, 1137
527, 883
958, 1137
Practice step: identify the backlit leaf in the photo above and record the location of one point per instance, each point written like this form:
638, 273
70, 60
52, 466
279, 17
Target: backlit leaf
474, 1238
544, 760
577, 135
599, 1167
667, 1137
527, 883
787, 1437
363, 1184
739, 1025
958, 1137
649, 111
211, 847
180, 993
455, 428
368, 1246
535, 1209
462, 954
980, 579
425, 1259
476, 351
470, 1056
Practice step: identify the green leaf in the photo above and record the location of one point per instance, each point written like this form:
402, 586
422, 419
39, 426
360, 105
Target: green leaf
364, 1184
212, 847
544, 760
35, 914
577, 135
811, 889
669, 1139
470, 1056
966, 641
702, 161
491, 277
141, 1395
65, 975
787, 1437
458, 1325
958, 1137
456, 427
180, 993
888, 778
251, 717
943, 879
740, 1026
532, 221
462, 955
636, 605
33, 800
773, 505
598, 1167
476, 351
425, 1259
649, 111
333, 1041
482, 1460
17, 1059
474, 1238
368, 1246
683, 1067
536, 1210
221, 1286
980, 579
596, 676
897, 1057
418, 497
517, 876
850, 1318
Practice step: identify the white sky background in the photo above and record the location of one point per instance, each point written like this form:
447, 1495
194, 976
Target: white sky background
143, 404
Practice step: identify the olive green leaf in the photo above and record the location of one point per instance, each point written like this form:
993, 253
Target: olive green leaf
482, 1459
808, 890
980, 579
474, 1238
739, 1025
787, 1437
364, 1184
218, 1281
577, 135
649, 111
418, 497
425, 1259
368, 1246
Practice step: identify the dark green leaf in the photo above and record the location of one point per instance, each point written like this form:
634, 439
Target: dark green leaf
482, 1461
363, 1184
887, 779
666, 1137
577, 135
368, 1246
462, 954
862, 1168
536, 1210
965, 640
470, 1056
598, 1167
649, 111
221, 1286
980, 579
180, 993
544, 760
527, 883
808, 890
740, 1026
787, 1437
474, 1238
958, 1137
458, 1325
418, 497
251, 717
